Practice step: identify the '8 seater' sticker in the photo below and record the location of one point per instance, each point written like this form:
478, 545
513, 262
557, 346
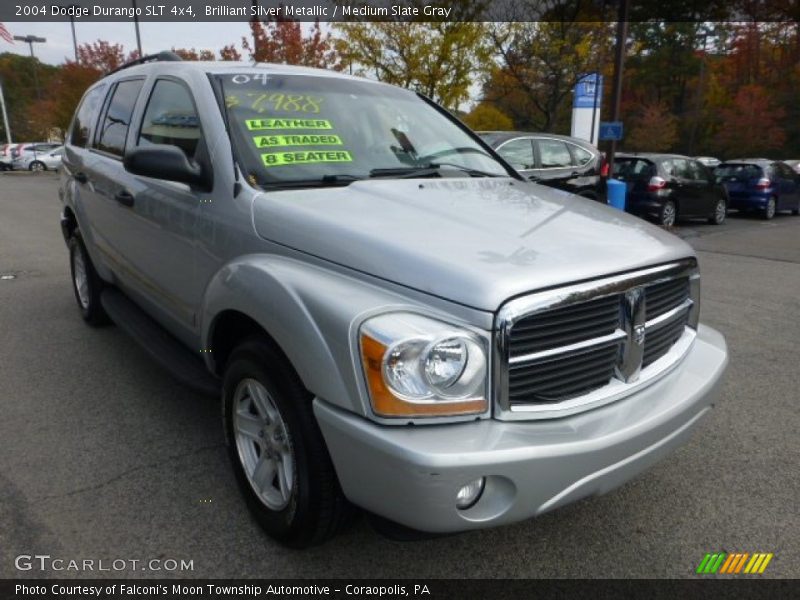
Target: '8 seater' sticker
298, 139
276, 159
260, 124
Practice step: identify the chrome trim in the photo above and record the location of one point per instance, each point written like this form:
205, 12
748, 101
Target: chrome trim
564, 351
670, 314
630, 363
518, 308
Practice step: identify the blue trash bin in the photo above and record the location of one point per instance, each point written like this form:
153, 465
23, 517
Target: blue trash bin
616, 193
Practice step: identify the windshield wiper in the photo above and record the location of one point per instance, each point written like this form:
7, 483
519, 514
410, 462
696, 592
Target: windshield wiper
429, 170
324, 181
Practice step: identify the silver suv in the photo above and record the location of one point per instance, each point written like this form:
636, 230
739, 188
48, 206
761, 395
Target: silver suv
394, 319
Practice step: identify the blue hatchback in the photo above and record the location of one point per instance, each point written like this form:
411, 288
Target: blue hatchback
761, 185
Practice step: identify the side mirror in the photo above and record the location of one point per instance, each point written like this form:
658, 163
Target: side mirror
163, 161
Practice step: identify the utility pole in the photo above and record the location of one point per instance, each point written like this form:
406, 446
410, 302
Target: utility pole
619, 65
30, 40
74, 37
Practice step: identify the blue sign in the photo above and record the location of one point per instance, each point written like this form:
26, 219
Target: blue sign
612, 130
587, 89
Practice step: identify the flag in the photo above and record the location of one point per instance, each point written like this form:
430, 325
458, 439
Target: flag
5, 34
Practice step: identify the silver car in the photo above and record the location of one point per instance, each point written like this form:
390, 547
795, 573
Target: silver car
393, 318
38, 157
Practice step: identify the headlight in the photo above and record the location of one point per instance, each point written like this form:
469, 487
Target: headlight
417, 367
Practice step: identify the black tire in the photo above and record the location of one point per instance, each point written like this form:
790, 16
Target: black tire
770, 210
317, 509
720, 212
37, 165
668, 215
796, 209
89, 300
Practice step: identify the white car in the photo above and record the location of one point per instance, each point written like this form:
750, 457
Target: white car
35, 159
708, 161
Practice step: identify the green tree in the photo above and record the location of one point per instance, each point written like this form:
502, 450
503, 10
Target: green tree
485, 117
437, 59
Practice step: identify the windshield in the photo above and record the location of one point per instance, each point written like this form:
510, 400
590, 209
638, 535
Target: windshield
298, 129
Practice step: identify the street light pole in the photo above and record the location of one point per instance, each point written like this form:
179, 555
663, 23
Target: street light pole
619, 65
5, 114
30, 40
74, 37
136, 26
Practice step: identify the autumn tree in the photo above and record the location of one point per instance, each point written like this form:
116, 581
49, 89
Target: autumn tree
653, 129
283, 41
103, 56
753, 124
539, 64
192, 54
438, 59
485, 117
20, 92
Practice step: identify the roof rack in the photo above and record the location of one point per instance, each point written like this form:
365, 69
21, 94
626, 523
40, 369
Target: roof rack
164, 56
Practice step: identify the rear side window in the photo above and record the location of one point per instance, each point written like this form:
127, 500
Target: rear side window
582, 156
554, 154
85, 116
519, 153
171, 118
116, 120
631, 169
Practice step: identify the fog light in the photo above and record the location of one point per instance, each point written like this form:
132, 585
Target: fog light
469, 494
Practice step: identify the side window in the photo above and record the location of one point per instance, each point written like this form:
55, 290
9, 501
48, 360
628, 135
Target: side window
114, 124
582, 156
554, 154
86, 114
519, 153
680, 168
698, 171
171, 118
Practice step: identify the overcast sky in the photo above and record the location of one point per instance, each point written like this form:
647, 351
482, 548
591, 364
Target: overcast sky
155, 36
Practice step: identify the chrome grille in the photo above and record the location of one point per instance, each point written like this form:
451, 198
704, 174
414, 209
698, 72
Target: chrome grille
589, 343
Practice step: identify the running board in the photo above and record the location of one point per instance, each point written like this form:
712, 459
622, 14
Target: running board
159, 344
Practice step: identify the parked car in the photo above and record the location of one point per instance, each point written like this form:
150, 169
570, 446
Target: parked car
669, 187
393, 317
760, 185
708, 161
5, 157
559, 161
21, 153
39, 160
794, 164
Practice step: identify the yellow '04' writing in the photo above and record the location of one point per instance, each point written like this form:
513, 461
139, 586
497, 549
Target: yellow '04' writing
277, 159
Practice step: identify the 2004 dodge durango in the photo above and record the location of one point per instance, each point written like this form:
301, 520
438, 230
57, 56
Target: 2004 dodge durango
395, 320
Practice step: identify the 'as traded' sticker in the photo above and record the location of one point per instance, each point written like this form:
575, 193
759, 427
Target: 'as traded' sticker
276, 159
298, 139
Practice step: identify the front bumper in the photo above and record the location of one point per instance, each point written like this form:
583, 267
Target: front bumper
410, 474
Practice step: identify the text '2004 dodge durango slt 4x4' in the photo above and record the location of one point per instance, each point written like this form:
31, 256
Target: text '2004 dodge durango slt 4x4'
396, 320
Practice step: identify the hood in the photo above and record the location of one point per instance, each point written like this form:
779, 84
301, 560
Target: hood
473, 241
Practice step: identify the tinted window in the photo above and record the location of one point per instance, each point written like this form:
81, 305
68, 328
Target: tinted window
698, 171
582, 156
737, 172
629, 169
519, 153
554, 154
86, 115
171, 118
117, 118
677, 167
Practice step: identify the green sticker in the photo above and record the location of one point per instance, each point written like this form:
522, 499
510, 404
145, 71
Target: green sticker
265, 141
277, 159
257, 124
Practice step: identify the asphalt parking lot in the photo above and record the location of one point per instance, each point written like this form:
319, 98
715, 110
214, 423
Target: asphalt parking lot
103, 455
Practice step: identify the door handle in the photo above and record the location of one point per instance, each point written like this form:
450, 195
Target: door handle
80, 177
124, 197
574, 174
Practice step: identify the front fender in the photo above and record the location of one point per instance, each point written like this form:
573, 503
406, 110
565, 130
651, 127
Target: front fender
311, 312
